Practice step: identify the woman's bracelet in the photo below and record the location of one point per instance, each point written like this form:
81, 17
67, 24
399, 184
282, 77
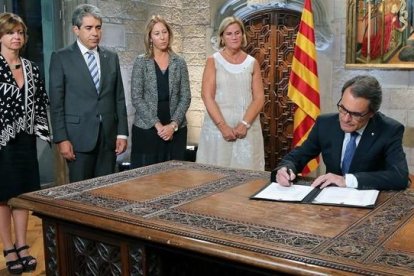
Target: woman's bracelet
219, 123
246, 124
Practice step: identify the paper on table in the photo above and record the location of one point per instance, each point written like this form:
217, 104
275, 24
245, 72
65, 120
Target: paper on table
275, 191
347, 196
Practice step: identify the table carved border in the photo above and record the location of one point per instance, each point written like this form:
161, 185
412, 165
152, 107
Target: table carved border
81, 192
361, 243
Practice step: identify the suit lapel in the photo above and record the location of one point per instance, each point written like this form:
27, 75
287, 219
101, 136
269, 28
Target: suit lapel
151, 82
337, 146
172, 67
150, 64
79, 57
103, 62
83, 68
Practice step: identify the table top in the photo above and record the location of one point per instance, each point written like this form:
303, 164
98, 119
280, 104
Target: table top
207, 209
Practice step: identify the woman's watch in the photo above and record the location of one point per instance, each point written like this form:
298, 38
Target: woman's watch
174, 126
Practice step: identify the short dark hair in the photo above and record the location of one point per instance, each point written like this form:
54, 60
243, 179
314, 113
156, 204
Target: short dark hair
366, 87
83, 10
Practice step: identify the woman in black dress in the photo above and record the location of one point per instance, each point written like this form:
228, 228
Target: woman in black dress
160, 92
23, 116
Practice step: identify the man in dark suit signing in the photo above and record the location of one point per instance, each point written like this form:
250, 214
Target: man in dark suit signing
377, 162
88, 111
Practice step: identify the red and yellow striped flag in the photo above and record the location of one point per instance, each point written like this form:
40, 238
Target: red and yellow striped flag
303, 87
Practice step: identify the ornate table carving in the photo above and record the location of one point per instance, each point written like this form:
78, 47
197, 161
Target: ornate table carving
133, 222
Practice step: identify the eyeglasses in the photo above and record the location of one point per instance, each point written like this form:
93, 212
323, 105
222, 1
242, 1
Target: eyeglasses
354, 115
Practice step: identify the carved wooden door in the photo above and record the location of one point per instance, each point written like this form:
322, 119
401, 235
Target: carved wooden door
271, 37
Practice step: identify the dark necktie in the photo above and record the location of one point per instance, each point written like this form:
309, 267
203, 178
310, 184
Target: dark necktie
349, 152
93, 69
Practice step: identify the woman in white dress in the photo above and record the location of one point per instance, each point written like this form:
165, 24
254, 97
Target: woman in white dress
232, 91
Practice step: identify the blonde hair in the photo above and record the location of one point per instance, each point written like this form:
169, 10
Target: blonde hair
223, 26
147, 39
394, 8
9, 21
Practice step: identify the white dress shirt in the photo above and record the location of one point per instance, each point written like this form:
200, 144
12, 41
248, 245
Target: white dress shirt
350, 179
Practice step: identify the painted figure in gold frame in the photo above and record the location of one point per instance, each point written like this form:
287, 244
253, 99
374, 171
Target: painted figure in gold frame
379, 33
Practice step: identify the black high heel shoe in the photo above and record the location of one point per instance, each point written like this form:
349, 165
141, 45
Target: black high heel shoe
16, 266
26, 261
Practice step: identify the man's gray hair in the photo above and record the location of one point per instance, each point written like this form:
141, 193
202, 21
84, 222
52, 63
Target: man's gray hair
85, 10
367, 87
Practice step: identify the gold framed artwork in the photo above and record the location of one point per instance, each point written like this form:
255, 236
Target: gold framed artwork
380, 34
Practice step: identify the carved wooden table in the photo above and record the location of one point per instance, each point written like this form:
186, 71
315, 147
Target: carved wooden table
183, 218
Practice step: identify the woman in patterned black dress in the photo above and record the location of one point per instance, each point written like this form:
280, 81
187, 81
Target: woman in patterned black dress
23, 116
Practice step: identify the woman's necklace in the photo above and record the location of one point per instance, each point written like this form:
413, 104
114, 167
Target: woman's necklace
15, 66
13, 60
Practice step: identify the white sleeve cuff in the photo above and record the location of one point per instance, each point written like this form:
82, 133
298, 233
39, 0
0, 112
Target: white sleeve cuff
351, 181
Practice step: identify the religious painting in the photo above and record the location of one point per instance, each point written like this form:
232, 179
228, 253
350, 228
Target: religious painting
380, 34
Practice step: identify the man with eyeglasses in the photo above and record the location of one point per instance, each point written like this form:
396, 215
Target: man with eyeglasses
374, 158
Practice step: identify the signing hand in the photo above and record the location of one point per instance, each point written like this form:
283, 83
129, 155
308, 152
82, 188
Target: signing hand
285, 177
329, 179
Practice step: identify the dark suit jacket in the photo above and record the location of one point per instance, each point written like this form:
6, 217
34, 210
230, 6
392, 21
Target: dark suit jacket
379, 161
76, 108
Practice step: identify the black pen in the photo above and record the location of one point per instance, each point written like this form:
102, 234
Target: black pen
290, 180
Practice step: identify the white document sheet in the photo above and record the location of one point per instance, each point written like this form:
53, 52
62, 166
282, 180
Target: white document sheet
275, 191
346, 196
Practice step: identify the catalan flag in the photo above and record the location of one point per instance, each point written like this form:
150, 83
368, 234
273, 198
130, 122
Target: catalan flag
303, 87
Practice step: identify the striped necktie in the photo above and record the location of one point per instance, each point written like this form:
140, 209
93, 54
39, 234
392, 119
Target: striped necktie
349, 152
93, 69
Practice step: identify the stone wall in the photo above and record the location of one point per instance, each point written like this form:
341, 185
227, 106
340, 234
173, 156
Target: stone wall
123, 31
193, 23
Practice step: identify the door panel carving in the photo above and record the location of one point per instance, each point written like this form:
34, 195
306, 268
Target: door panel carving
271, 37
